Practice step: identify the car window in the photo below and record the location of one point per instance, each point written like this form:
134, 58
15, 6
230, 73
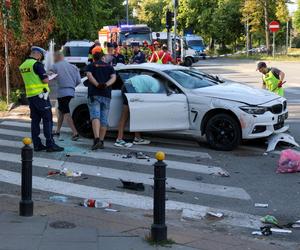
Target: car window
76, 51
191, 79
142, 81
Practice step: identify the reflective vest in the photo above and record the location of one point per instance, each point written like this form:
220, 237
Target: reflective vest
272, 83
159, 60
33, 84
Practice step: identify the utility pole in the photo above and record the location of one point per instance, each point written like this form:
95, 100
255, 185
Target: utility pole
247, 37
5, 17
287, 36
127, 12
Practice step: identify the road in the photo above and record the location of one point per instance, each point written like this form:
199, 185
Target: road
195, 185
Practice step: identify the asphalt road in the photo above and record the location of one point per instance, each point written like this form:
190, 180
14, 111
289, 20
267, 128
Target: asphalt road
193, 169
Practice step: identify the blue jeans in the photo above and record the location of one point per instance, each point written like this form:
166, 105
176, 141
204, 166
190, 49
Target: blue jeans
99, 109
40, 109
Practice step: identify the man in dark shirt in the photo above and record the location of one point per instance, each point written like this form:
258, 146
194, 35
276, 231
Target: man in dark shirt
118, 58
101, 76
138, 56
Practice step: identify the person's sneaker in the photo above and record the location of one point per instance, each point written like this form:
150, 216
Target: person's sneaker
122, 144
55, 148
40, 148
97, 144
141, 141
75, 137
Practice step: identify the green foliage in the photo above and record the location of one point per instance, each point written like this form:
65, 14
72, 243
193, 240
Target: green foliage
13, 17
3, 105
16, 94
297, 17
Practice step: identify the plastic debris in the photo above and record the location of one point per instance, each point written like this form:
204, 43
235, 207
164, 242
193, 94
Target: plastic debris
133, 185
96, 203
282, 137
218, 215
223, 173
269, 219
257, 233
70, 173
279, 230
58, 198
289, 161
51, 173
141, 155
98, 174
262, 205
266, 230
111, 210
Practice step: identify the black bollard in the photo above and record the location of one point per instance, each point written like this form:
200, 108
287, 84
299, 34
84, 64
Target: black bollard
26, 203
159, 228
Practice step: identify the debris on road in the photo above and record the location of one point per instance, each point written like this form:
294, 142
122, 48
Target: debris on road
262, 205
174, 190
111, 210
289, 162
217, 215
133, 185
52, 173
269, 219
137, 155
96, 203
199, 178
70, 173
257, 233
281, 137
222, 173
279, 230
58, 198
266, 230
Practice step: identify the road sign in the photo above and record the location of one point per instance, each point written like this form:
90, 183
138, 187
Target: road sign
274, 26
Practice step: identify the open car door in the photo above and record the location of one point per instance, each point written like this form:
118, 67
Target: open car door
158, 112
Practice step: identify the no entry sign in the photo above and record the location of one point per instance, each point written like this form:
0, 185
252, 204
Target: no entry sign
274, 26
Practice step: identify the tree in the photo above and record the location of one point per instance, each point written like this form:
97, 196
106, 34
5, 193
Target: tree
297, 17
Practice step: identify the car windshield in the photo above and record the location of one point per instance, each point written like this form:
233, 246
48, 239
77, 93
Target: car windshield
198, 43
139, 37
76, 51
192, 79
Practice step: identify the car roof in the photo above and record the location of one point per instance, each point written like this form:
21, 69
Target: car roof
150, 66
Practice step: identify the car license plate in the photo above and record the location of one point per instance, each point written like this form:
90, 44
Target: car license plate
282, 117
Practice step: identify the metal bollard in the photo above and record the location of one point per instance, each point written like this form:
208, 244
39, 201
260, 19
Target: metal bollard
159, 228
26, 203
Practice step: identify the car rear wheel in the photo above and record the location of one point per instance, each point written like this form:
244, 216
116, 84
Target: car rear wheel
223, 132
81, 118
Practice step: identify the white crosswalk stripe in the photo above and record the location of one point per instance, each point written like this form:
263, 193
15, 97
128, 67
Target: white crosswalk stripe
101, 168
152, 149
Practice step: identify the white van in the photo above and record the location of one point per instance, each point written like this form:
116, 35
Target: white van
76, 52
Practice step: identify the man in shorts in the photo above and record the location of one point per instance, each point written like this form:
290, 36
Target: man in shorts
68, 77
136, 84
101, 76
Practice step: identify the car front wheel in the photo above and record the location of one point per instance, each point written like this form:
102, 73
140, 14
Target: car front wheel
81, 118
223, 132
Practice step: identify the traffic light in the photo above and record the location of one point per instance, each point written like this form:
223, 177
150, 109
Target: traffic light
169, 19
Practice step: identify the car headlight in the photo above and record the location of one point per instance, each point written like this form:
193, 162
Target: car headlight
254, 110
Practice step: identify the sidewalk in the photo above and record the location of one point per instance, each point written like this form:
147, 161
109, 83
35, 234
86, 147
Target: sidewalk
89, 228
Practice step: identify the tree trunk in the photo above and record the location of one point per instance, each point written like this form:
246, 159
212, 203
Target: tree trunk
267, 32
212, 44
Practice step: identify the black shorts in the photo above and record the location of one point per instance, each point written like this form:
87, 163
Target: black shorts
123, 91
63, 104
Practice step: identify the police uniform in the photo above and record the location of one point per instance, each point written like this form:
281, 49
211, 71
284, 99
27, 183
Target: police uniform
127, 53
138, 57
37, 92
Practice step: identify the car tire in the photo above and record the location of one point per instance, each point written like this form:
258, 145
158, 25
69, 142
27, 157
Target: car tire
81, 119
188, 62
223, 132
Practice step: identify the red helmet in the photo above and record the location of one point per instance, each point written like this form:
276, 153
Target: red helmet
145, 42
156, 43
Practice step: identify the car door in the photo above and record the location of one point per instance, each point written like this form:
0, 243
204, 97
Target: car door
157, 111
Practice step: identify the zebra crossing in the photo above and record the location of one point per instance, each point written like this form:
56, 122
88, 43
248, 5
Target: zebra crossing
107, 166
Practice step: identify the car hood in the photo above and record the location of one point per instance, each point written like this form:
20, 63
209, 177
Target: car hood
238, 92
198, 48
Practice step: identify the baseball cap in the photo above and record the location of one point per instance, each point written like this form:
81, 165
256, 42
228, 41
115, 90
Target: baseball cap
39, 49
261, 65
96, 49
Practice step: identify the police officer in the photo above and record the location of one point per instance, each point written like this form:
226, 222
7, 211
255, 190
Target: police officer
126, 52
273, 78
37, 91
138, 56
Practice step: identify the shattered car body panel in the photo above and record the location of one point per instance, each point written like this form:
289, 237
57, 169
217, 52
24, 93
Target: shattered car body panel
282, 137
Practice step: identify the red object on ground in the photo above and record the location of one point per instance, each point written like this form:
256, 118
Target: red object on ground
274, 26
289, 161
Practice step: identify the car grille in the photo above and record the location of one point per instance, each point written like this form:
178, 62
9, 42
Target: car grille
276, 109
284, 105
278, 125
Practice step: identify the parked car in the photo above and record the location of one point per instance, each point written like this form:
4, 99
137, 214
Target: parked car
225, 112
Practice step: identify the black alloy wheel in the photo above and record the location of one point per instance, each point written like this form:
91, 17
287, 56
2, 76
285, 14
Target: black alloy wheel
82, 122
223, 132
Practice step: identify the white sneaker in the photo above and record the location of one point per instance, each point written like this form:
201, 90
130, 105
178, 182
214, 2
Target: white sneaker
141, 141
123, 144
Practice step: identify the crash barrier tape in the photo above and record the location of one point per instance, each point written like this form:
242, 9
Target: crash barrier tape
26, 203
159, 228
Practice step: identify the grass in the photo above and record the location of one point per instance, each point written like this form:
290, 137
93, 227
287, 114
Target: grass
268, 58
165, 243
3, 106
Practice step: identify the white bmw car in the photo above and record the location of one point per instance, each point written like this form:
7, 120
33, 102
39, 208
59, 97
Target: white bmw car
225, 112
